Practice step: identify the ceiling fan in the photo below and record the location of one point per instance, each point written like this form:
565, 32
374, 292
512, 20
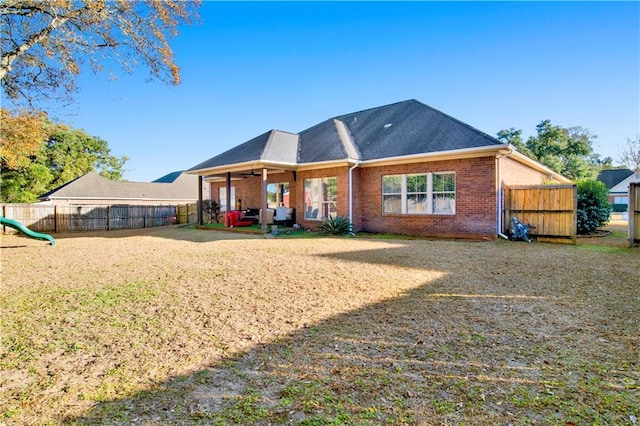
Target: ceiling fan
252, 174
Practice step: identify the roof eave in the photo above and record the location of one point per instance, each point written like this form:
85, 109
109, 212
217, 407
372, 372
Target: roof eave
241, 167
523, 159
454, 154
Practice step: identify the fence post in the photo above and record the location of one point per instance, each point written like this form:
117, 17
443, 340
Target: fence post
632, 207
55, 218
574, 237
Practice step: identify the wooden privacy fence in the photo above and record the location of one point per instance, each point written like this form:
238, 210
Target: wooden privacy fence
634, 214
82, 218
550, 208
188, 213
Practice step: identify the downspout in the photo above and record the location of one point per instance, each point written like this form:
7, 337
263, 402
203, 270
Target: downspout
357, 163
200, 221
500, 194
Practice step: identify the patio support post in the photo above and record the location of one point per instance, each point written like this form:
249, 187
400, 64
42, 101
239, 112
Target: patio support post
200, 179
263, 210
228, 209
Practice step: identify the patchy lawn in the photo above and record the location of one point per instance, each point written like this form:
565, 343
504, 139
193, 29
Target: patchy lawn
185, 326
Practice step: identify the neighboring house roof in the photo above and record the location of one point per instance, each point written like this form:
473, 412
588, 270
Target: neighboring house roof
169, 178
622, 187
396, 130
613, 177
93, 186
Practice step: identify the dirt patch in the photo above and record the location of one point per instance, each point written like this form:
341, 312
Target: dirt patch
183, 326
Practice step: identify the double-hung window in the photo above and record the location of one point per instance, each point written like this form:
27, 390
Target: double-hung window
420, 193
320, 198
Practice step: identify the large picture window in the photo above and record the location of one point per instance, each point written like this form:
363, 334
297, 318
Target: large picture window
320, 198
424, 193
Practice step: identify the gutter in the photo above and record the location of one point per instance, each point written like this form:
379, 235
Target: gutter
500, 200
351, 169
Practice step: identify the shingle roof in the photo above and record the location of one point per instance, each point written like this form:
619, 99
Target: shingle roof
94, 186
400, 129
169, 177
395, 130
273, 145
612, 177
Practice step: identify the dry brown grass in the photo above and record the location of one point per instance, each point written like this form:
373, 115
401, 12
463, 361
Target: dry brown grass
184, 326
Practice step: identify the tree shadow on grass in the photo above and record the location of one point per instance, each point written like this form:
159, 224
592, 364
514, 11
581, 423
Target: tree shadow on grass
492, 343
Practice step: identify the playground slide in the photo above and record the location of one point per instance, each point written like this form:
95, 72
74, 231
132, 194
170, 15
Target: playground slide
20, 227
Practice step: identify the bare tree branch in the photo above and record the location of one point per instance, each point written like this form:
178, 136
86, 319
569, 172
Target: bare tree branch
58, 38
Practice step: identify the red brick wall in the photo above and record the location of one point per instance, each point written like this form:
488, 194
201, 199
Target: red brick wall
249, 189
475, 215
341, 174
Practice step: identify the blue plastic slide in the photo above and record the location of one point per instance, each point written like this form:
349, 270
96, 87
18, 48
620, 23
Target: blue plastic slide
20, 227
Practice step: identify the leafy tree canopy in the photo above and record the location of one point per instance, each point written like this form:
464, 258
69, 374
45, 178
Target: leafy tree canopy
44, 44
568, 151
50, 155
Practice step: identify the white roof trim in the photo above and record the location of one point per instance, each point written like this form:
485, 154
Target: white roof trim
347, 141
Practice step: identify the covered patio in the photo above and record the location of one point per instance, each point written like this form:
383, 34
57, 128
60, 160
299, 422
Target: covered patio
264, 169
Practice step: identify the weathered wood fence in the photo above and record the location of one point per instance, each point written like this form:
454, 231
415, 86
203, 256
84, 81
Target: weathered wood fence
634, 214
188, 213
83, 218
550, 208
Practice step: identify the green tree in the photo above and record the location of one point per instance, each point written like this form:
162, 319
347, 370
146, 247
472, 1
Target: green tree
54, 157
593, 205
514, 137
45, 44
72, 153
568, 151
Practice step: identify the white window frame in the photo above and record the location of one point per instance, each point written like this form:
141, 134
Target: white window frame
325, 206
222, 198
430, 193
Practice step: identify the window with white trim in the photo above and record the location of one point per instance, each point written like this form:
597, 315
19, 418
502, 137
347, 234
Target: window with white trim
320, 198
222, 197
420, 193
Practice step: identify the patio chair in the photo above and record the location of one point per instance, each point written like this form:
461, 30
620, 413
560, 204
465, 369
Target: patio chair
280, 216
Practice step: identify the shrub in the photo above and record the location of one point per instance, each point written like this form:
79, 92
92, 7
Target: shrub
338, 225
593, 205
620, 208
211, 208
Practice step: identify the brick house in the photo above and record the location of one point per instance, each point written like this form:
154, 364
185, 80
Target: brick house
617, 182
403, 168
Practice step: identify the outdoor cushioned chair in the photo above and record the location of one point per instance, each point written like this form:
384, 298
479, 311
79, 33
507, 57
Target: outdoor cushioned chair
235, 219
281, 215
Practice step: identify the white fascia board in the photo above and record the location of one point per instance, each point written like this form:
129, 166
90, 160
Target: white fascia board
243, 167
623, 186
454, 154
346, 162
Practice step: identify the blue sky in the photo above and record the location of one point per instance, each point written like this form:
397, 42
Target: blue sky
251, 67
